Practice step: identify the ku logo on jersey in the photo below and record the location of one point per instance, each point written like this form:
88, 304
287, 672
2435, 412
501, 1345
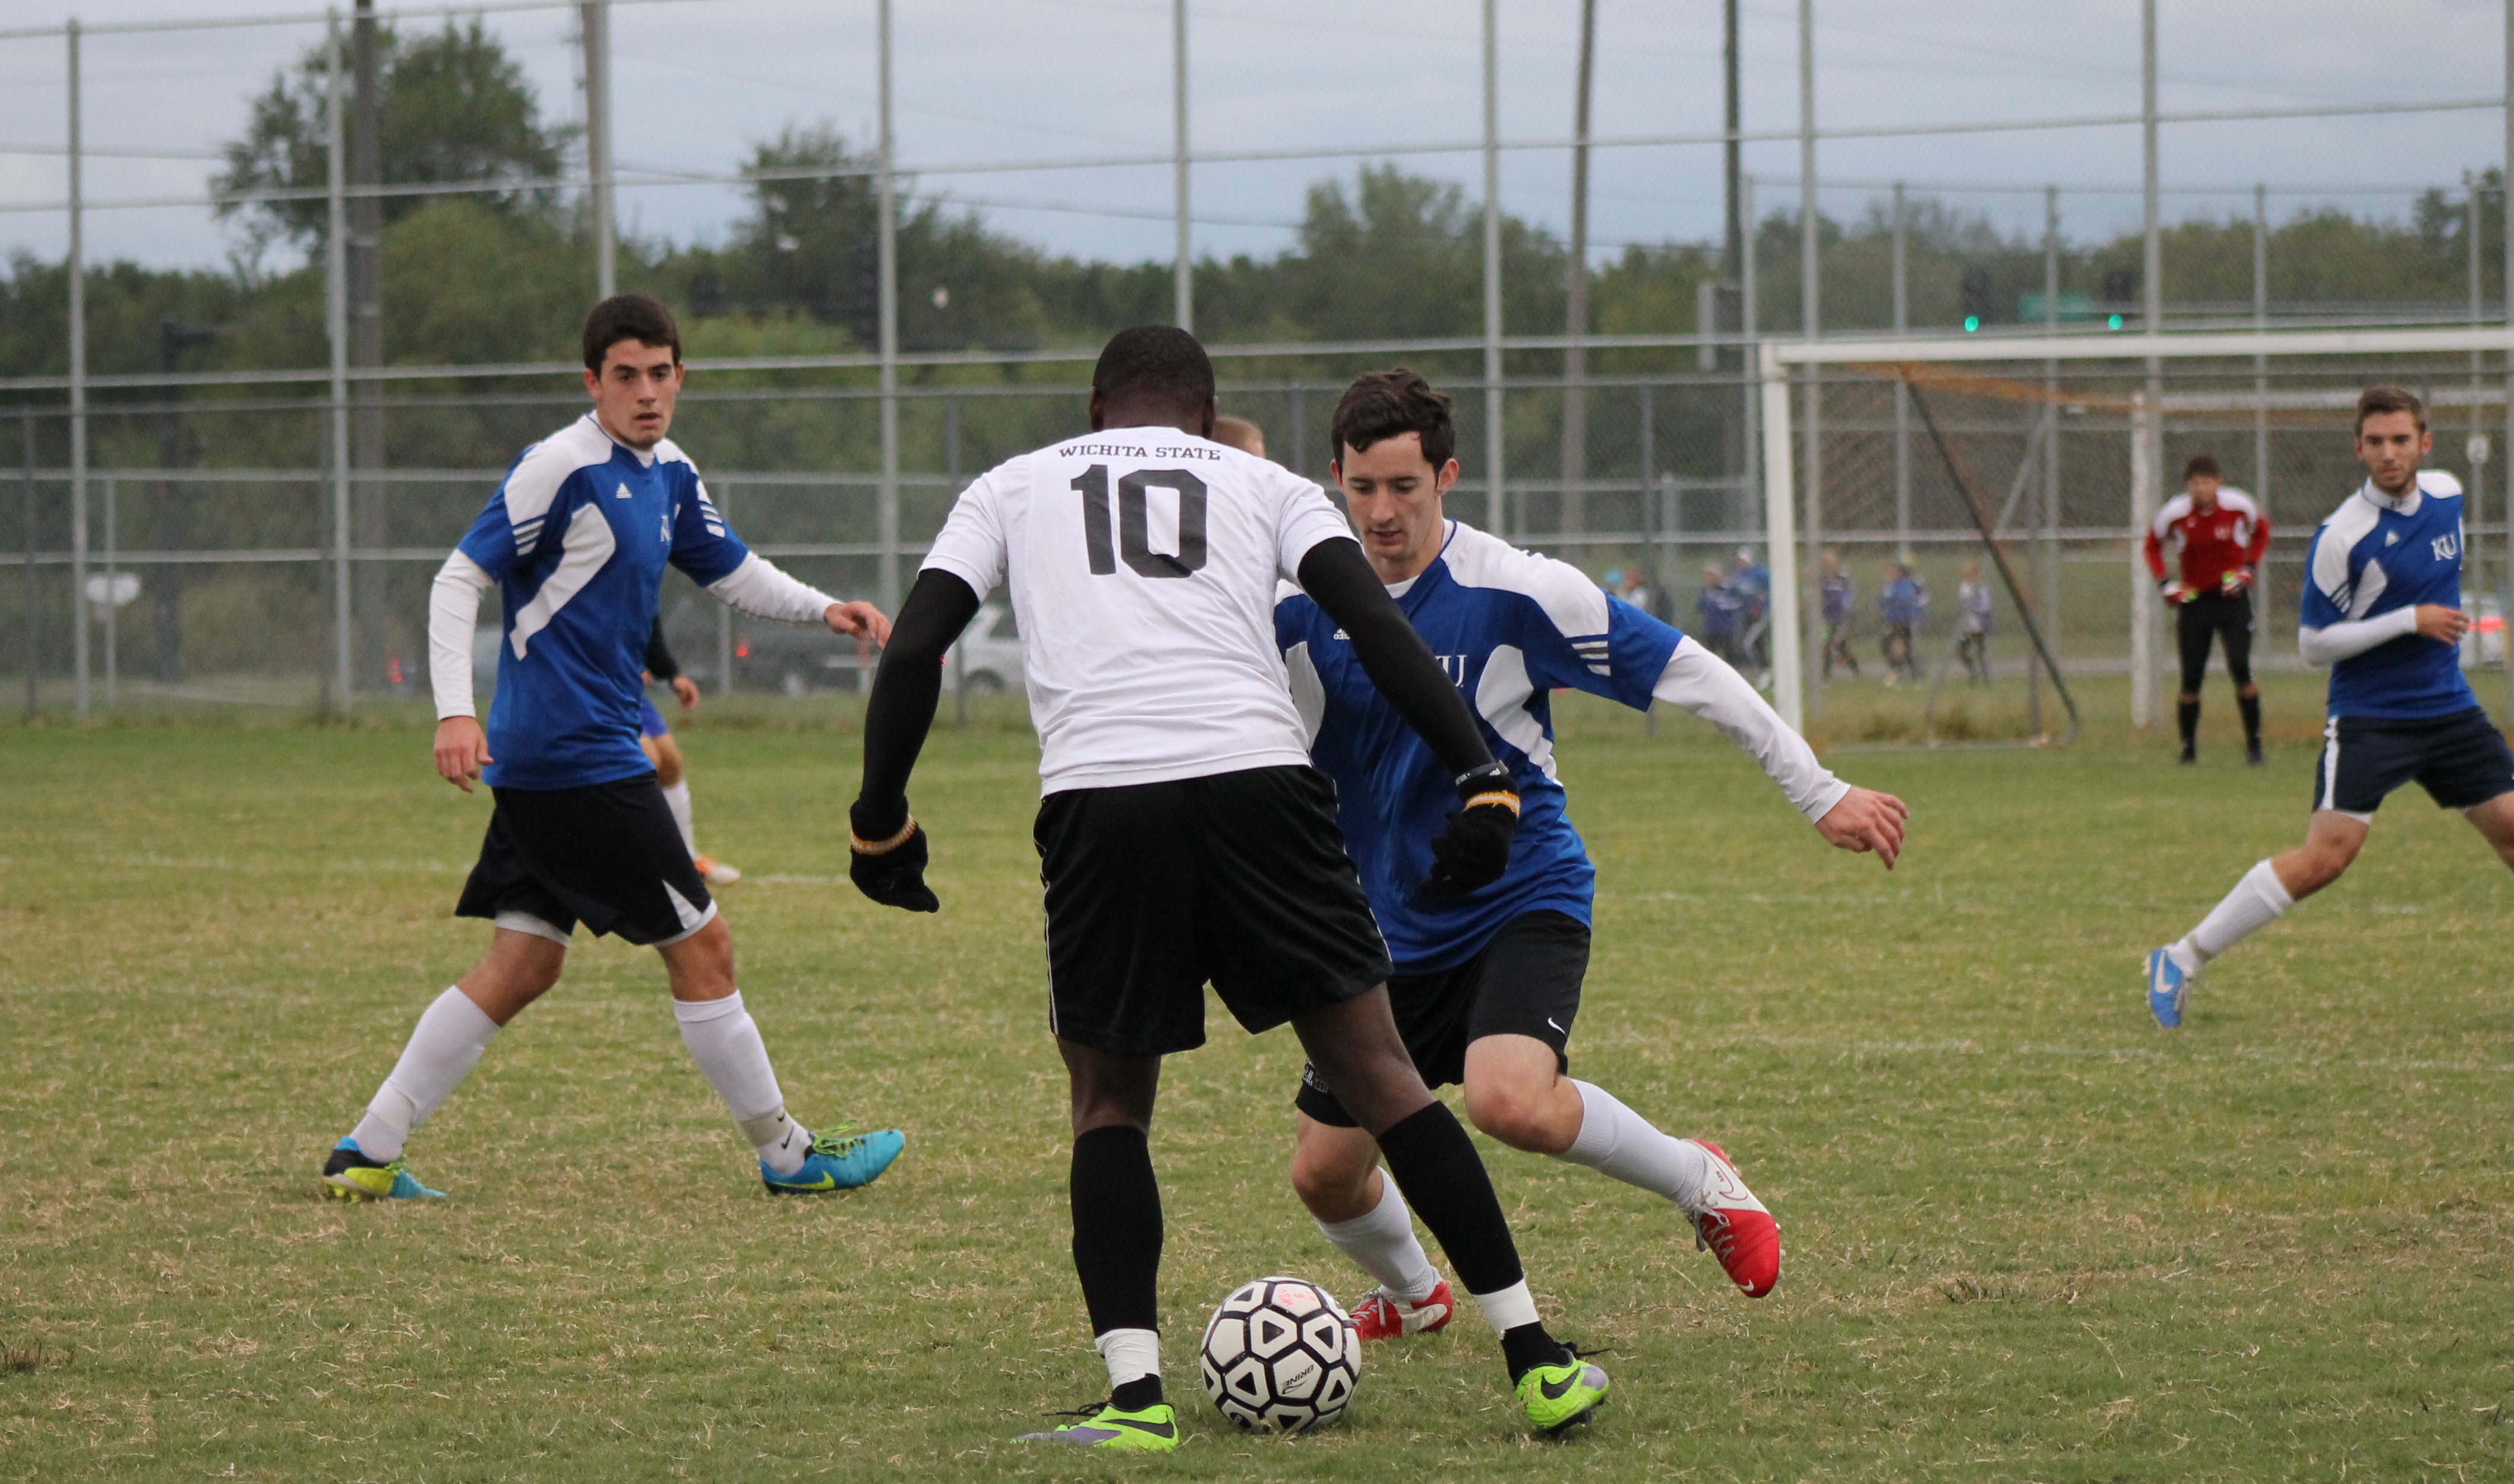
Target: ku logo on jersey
1455, 667
2447, 548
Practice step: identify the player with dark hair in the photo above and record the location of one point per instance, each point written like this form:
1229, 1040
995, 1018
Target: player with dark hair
655, 739
2219, 534
1183, 835
2382, 608
1489, 982
575, 539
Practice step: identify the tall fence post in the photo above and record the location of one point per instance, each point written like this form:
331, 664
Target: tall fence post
2145, 450
1779, 531
35, 651
595, 22
1902, 296
1182, 267
112, 608
78, 386
336, 324
1810, 326
1496, 501
2261, 604
2505, 590
887, 509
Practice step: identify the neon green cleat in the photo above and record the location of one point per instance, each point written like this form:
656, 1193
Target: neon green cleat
348, 1175
1560, 1397
1152, 1430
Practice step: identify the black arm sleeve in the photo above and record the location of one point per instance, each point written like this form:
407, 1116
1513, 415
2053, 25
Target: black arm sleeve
904, 690
1338, 578
659, 663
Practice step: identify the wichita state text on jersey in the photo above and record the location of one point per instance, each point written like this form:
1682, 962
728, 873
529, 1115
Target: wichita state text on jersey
1143, 565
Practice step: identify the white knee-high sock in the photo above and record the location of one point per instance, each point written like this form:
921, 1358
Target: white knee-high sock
1381, 1242
724, 1041
1614, 1140
444, 1046
678, 799
2256, 901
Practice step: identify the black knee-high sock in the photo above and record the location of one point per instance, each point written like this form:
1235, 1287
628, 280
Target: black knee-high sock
2186, 716
1437, 1168
1117, 1230
2250, 707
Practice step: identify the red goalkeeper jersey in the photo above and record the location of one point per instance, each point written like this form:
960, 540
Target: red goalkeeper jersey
2227, 539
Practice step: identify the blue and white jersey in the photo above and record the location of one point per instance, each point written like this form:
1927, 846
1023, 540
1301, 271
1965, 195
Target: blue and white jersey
1510, 627
2375, 556
576, 537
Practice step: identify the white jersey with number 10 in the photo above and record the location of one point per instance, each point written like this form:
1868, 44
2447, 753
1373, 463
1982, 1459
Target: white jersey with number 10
1142, 564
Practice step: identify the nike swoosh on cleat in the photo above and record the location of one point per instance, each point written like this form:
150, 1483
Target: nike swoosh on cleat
1557, 1390
828, 1183
1156, 1430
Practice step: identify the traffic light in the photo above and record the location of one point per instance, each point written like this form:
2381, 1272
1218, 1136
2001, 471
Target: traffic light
1977, 298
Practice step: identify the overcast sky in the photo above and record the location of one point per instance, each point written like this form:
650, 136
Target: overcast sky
699, 81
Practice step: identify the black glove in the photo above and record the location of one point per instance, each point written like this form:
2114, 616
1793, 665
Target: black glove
1474, 851
888, 863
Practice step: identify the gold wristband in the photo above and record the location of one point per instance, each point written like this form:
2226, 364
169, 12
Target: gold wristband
865, 847
1505, 800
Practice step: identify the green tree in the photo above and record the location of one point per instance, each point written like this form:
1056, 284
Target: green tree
455, 108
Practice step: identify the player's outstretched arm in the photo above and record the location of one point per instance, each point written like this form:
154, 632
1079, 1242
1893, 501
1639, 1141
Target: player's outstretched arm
453, 608
1854, 819
887, 849
1474, 851
2332, 643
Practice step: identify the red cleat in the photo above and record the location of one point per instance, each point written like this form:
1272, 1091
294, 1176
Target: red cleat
1382, 1316
1733, 1227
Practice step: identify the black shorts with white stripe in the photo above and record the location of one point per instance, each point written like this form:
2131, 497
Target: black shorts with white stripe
608, 855
2460, 760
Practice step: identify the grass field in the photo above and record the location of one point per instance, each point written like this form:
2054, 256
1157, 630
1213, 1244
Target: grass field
2029, 1235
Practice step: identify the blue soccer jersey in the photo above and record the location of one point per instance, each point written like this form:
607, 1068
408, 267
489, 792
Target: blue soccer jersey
577, 537
1510, 627
2376, 555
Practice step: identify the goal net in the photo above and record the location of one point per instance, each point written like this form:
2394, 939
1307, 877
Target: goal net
1983, 503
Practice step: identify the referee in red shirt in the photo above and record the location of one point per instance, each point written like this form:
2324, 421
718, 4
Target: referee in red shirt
2217, 536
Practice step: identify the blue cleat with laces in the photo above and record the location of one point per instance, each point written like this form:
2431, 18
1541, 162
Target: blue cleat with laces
837, 1161
350, 1176
2167, 984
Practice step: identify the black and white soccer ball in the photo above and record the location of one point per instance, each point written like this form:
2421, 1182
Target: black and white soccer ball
1279, 1355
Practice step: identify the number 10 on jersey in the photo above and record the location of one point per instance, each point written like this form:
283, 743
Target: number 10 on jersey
1134, 539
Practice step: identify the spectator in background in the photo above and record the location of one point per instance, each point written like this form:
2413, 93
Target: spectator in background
1972, 625
1900, 607
1242, 433
1718, 608
1836, 592
1752, 581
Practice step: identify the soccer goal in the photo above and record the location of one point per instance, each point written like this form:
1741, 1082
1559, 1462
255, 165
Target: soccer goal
2017, 476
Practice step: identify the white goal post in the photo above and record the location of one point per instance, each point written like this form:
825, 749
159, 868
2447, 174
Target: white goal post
1779, 438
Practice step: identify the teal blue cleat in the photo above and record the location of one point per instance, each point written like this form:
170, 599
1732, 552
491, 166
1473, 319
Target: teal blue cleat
839, 1161
2167, 984
351, 1175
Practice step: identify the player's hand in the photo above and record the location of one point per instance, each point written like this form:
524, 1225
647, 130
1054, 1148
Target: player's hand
688, 690
2234, 582
858, 620
2444, 626
2175, 592
462, 751
1474, 851
1862, 820
888, 863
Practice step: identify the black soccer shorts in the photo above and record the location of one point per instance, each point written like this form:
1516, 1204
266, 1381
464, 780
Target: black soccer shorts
2195, 623
1525, 982
607, 856
1238, 879
2460, 760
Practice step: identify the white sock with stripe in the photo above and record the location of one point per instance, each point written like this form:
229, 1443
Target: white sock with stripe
2256, 901
678, 799
1614, 1140
1381, 1242
444, 1046
724, 1041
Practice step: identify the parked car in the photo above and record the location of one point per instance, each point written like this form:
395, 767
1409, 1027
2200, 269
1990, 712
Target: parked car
988, 660
798, 657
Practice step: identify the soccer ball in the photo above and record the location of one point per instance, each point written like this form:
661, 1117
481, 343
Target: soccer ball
1281, 1356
